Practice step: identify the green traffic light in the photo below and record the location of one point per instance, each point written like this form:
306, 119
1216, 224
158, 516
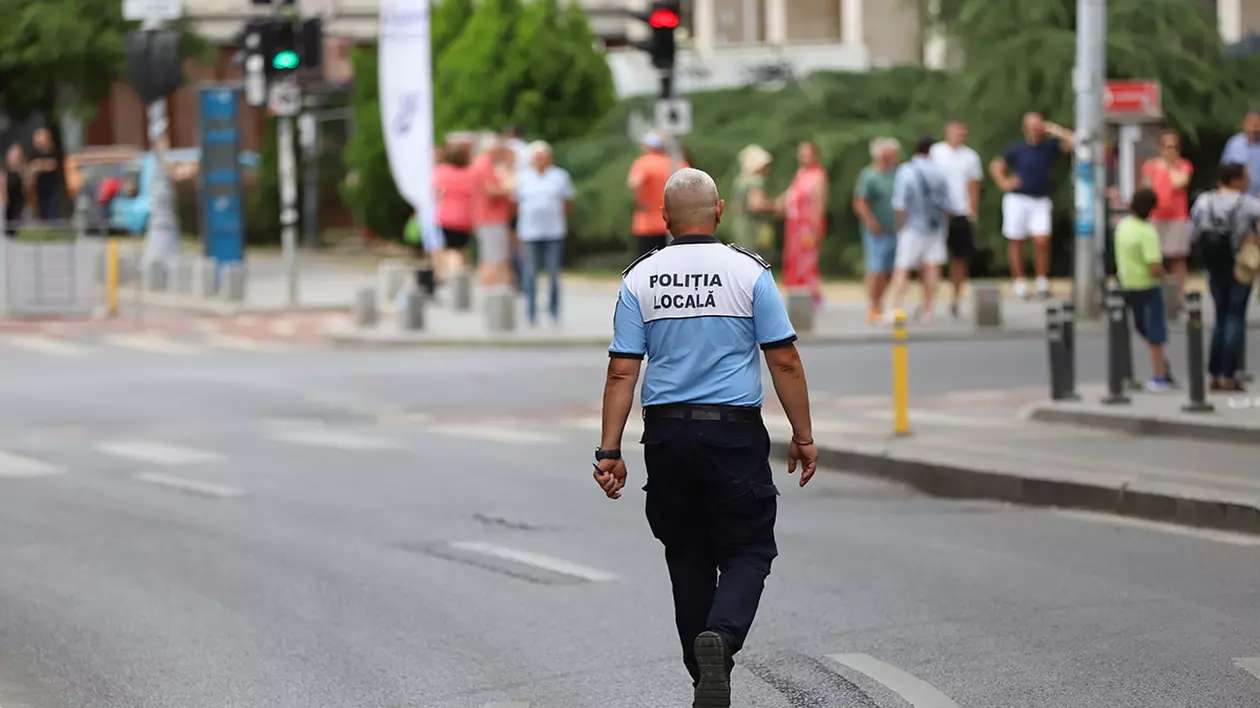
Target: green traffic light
287, 59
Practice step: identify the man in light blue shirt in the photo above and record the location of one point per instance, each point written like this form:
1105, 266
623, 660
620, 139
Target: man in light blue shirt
921, 201
700, 312
544, 200
1244, 149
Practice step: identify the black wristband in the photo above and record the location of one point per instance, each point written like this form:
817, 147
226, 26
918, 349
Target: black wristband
607, 455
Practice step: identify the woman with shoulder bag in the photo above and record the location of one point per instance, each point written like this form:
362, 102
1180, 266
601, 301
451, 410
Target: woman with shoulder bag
1223, 224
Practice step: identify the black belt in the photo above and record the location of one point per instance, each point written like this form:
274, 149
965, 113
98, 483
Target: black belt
687, 411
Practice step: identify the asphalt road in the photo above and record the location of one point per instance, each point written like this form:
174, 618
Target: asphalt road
373, 529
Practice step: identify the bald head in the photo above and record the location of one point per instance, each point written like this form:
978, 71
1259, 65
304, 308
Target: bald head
692, 204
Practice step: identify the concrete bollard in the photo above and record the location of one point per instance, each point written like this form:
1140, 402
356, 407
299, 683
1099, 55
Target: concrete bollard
1172, 300
234, 282
801, 310
390, 276
461, 290
128, 265
183, 276
155, 277
411, 313
365, 307
986, 305
500, 310
205, 282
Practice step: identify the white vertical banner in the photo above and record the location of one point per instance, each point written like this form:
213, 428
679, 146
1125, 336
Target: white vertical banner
406, 90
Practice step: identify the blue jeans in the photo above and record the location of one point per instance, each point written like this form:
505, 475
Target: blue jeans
1149, 317
879, 252
1230, 298
547, 254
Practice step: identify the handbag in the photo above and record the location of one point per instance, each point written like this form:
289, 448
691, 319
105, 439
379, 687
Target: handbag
1247, 263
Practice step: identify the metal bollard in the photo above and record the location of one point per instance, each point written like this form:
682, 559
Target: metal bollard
111, 277
365, 307
1117, 349
500, 305
901, 376
461, 286
411, 314
1126, 349
426, 281
801, 310
155, 276
1067, 321
1195, 373
205, 282
390, 276
1054, 341
234, 282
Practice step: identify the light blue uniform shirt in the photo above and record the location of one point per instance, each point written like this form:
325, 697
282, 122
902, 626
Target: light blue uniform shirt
699, 311
540, 202
1241, 150
920, 190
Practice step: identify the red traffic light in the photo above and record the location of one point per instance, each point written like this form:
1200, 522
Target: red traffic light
663, 19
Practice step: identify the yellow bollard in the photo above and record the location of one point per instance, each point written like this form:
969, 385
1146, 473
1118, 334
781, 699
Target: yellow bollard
111, 276
901, 376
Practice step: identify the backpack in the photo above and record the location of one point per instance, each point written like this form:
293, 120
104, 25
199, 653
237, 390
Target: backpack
1216, 244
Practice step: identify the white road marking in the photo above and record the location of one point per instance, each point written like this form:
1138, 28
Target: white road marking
244, 344
912, 689
1250, 664
284, 328
339, 439
150, 343
506, 705
46, 345
15, 466
492, 431
158, 453
191, 485
555, 565
1236, 539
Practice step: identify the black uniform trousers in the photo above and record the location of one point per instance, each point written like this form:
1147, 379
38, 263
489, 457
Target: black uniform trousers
712, 504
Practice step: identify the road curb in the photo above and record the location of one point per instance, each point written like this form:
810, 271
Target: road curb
961, 482
221, 307
1146, 425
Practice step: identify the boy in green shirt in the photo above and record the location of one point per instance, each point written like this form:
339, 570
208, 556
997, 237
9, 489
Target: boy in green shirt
1140, 270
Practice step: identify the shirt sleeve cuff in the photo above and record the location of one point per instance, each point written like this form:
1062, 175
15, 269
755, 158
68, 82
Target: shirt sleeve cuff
778, 343
624, 355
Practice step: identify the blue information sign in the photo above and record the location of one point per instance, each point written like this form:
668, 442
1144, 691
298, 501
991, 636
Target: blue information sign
1085, 215
222, 213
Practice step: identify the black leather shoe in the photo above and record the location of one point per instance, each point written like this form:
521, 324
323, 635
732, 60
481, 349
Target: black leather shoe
714, 658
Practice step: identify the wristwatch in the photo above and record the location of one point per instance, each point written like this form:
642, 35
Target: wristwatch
607, 455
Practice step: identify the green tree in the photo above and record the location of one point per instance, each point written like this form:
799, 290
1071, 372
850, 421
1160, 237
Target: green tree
477, 81
449, 18
370, 190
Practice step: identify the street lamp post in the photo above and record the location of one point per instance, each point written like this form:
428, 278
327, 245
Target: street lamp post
1088, 81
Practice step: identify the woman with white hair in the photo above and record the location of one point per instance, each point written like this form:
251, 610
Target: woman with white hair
544, 198
748, 211
872, 203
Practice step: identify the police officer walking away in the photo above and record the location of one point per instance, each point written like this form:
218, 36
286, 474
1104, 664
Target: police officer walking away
699, 310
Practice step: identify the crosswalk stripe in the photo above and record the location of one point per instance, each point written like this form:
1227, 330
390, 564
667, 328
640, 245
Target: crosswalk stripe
150, 343
506, 705
46, 345
911, 688
16, 466
554, 565
337, 439
205, 489
157, 452
1250, 664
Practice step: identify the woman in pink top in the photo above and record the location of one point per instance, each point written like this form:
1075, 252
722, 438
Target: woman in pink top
496, 181
805, 205
455, 186
1169, 175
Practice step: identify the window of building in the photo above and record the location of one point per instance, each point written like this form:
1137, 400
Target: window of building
739, 21
813, 20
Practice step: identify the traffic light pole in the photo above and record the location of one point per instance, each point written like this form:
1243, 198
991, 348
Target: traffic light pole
287, 172
675, 147
161, 238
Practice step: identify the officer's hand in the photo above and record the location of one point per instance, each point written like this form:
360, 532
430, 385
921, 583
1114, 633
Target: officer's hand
807, 456
611, 477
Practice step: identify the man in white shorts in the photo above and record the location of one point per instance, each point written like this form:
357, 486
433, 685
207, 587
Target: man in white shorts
1026, 207
921, 201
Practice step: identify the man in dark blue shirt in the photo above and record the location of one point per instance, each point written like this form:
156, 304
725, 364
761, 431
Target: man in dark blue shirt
1026, 208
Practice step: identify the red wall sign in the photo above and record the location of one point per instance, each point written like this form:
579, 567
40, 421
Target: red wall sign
1132, 98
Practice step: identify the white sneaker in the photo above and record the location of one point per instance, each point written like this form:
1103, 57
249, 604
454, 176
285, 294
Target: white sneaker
1021, 289
1043, 288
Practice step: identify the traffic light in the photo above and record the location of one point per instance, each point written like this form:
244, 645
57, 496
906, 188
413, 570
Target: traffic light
284, 55
154, 64
290, 45
663, 18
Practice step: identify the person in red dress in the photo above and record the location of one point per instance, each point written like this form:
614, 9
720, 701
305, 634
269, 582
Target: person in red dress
805, 206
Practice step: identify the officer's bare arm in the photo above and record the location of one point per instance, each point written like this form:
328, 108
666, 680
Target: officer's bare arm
623, 374
788, 375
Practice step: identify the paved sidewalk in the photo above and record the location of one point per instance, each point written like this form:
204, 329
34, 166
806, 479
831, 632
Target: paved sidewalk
1235, 417
991, 450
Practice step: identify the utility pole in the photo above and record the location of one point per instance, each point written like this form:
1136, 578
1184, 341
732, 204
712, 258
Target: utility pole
1088, 81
